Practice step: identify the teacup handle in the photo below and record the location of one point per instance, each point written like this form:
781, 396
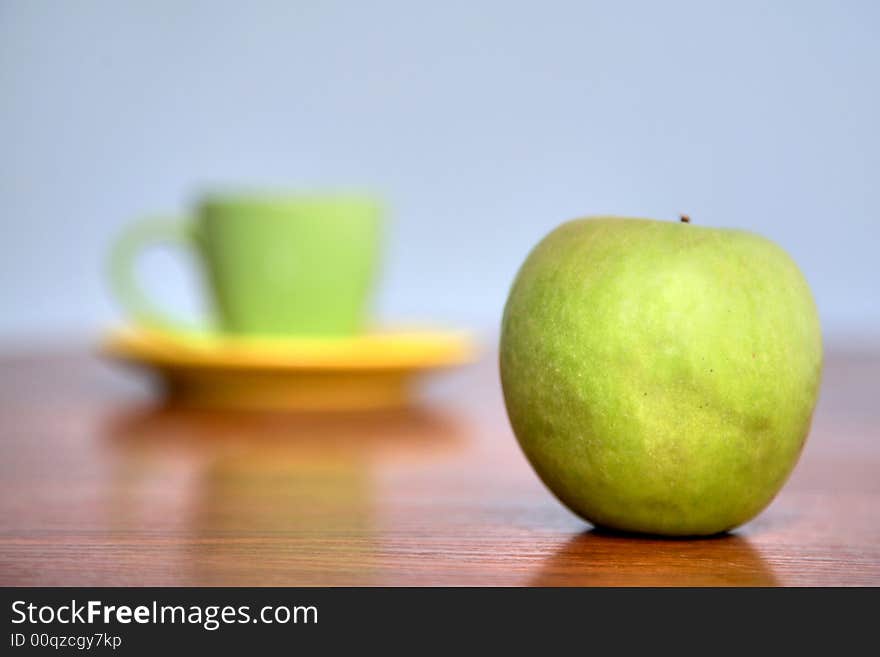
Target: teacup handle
123, 258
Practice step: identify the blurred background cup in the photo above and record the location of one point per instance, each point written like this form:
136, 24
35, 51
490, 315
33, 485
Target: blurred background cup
273, 265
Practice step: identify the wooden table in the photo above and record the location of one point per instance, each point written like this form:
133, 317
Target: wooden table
101, 485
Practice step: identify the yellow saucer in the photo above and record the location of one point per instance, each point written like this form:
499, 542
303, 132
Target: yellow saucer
368, 371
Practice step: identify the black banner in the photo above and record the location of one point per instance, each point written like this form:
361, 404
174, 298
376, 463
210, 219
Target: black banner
149, 620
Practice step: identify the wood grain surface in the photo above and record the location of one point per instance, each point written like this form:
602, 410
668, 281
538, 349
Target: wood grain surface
101, 484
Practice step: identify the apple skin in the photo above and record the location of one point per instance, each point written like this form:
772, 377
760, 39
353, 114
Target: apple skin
660, 377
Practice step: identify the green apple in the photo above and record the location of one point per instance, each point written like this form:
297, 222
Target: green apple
660, 376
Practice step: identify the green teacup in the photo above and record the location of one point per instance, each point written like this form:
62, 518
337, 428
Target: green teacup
274, 265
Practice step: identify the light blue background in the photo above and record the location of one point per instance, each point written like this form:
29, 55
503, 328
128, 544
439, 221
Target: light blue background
484, 123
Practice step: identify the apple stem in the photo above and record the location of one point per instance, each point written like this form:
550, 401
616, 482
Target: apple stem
685, 219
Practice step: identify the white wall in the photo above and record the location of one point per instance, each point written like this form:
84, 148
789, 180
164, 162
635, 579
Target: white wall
485, 123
